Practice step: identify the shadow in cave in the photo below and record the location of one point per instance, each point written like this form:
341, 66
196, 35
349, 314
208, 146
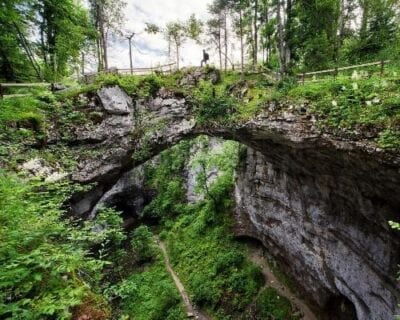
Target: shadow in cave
340, 308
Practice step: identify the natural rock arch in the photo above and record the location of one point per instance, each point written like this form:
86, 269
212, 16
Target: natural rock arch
319, 204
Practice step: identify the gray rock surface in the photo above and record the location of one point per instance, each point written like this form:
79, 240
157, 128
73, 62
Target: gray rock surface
127, 192
193, 77
325, 220
115, 100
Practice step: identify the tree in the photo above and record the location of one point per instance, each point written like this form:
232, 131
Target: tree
176, 33
317, 31
238, 7
267, 30
17, 60
379, 26
107, 17
218, 27
143, 244
63, 27
214, 32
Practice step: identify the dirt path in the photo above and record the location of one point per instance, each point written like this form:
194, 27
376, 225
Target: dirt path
271, 280
191, 311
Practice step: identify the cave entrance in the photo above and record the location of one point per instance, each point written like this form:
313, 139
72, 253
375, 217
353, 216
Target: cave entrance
340, 308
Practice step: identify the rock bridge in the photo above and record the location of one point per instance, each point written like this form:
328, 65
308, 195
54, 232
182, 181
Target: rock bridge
320, 205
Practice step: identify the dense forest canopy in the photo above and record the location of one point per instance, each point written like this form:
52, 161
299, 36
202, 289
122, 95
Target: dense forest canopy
48, 39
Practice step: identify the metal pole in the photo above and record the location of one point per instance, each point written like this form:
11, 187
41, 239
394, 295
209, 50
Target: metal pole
130, 50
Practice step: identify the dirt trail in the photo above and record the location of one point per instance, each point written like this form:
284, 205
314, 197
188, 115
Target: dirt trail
191, 311
271, 280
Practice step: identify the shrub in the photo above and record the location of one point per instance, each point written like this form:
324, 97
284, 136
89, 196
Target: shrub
270, 305
143, 244
213, 105
44, 270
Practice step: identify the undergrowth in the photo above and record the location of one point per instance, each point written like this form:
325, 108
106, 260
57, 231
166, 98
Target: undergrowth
212, 265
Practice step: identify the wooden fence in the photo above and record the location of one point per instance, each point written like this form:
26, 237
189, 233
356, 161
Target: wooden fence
164, 69
336, 70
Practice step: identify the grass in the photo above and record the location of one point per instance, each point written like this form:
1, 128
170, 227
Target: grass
150, 294
365, 108
270, 305
210, 263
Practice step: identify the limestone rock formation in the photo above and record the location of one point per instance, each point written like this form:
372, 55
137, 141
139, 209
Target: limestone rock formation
319, 204
327, 224
115, 100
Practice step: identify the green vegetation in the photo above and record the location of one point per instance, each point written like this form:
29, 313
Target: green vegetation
213, 105
270, 305
224, 281
53, 266
149, 294
145, 290
46, 268
365, 108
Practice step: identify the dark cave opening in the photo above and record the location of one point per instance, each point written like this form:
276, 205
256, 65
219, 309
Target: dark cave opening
340, 308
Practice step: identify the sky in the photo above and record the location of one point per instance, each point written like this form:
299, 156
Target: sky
150, 50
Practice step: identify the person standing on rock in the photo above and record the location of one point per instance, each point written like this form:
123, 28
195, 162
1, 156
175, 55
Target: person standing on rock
206, 57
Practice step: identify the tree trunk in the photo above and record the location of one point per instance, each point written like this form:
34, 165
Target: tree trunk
339, 30
268, 40
28, 51
281, 44
288, 34
364, 19
83, 63
103, 40
241, 44
255, 52
226, 38
177, 56
6, 67
220, 44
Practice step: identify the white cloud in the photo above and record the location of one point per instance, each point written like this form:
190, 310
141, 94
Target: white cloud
150, 50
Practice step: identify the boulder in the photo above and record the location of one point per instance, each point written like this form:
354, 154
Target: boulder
115, 101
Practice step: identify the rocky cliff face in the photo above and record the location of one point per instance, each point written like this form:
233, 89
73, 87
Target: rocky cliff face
320, 205
325, 220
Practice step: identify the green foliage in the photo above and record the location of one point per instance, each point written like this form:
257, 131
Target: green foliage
213, 105
198, 236
167, 179
389, 139
149, 295
143, 244
394, 225
271, 306
44, 270
367, 107
21, 109
136, 86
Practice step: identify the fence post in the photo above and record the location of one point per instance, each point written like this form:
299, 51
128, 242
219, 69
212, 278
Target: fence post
1, 91
382, 67
303, 76
336, 72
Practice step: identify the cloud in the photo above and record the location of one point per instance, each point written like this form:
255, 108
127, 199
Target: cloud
150, 50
